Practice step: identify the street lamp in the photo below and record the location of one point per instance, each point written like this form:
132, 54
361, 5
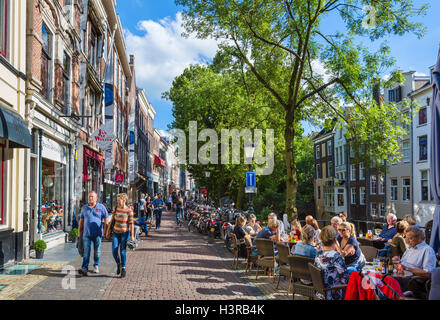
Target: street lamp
207, 175
249, 150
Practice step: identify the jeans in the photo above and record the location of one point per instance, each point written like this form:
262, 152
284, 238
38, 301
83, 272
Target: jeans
179, 213
120, 241
158, 214
88, 247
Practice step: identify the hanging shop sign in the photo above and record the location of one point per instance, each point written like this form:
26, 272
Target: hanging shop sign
54, 151
119, 178
104, 136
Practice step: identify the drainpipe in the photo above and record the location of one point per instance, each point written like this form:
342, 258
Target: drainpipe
412, 157
69, 215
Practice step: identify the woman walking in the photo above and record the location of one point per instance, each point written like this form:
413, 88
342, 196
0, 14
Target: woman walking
123, 229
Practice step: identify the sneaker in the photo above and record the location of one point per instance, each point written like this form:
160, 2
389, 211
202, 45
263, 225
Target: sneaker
123, 273
83, 272
96, 269
118, 271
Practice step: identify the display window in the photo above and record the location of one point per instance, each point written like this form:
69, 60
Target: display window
53, 196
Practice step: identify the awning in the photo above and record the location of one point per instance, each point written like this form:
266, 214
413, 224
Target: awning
14, 129
158, 161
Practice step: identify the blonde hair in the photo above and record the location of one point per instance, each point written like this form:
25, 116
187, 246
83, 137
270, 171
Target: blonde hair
296, 224
273, 224
308, 234
315, 224
410, 219
240, 221
401, 226
122, 196
349, 226
327, 236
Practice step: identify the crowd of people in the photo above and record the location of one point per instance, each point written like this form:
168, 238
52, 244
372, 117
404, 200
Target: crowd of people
336, 250
123, 228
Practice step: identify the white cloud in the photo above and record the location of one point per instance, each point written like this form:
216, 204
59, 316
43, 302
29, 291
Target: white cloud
319, 68
161, 53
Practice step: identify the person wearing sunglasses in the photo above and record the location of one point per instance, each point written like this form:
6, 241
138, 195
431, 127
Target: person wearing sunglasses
348, 247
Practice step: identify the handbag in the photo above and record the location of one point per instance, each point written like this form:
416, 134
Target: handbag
112, 224
80, 246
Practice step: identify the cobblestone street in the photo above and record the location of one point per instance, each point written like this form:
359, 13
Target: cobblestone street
171, 264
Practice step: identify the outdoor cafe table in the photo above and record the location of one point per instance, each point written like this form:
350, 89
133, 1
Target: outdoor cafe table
378, 244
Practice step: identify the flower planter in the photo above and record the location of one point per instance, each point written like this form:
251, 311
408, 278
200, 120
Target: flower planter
39, 254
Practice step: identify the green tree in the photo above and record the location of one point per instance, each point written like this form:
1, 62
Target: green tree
279, 42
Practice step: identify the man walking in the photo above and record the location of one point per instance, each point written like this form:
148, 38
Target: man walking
91, 230
142, 206
158, 204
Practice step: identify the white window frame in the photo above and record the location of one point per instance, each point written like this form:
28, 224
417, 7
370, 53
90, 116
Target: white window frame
318, 151
373, 184
394, 188
406, 158
405, 189
373, 211
428, 185
353, 173
381, 184
362, 195
353, 194
382, 210
361, 171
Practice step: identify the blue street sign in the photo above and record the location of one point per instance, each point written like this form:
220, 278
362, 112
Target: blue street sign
251, 180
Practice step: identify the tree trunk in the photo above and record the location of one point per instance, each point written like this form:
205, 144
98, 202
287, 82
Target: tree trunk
291, 179
240, 195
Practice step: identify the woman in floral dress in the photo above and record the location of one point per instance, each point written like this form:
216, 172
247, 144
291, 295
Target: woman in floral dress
332, 263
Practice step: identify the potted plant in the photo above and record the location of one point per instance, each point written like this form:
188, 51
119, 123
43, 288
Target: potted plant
39, 248
74, 234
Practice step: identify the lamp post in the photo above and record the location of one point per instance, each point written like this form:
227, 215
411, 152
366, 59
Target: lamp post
207, 175
249, 150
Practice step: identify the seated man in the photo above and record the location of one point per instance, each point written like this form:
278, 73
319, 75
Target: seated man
141, 223
419, 258
274, 216
272, 232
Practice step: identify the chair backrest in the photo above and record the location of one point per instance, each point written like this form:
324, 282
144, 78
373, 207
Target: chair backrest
265, 247
317, 278
283, 253
299, 267
234, 240
369, 252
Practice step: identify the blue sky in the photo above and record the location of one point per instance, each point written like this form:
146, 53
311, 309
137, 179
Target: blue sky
153, 35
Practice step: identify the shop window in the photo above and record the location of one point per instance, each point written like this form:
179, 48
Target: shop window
46, 58
4, 27
53, 193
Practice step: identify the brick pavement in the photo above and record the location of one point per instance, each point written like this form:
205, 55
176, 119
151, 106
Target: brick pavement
177, 265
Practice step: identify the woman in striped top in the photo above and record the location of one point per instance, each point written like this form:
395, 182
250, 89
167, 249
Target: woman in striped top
122, 230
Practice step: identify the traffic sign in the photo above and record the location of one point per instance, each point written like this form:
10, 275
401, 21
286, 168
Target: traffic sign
251, 179
250, 190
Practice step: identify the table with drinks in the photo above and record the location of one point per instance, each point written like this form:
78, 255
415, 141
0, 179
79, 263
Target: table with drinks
371, 240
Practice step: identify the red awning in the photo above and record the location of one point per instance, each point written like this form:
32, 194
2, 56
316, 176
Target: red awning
158, 161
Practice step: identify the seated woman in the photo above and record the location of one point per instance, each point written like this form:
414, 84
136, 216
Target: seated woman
304, 248
253, 227
348, 247
296, 230
315, 226
399, 240
332, 263
240, 233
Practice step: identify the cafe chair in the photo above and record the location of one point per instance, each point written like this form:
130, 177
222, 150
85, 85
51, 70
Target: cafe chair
300, 271
266, 255
283, 262
365, 242
369, 252
251, 258
318, 283
235, 250
418, 288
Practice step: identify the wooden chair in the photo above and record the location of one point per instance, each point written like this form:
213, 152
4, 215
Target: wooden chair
300, 270
319, 284
369, 252
266, 254
283, 262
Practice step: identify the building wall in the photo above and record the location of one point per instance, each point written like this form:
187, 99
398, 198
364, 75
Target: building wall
12, 94
423, 209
